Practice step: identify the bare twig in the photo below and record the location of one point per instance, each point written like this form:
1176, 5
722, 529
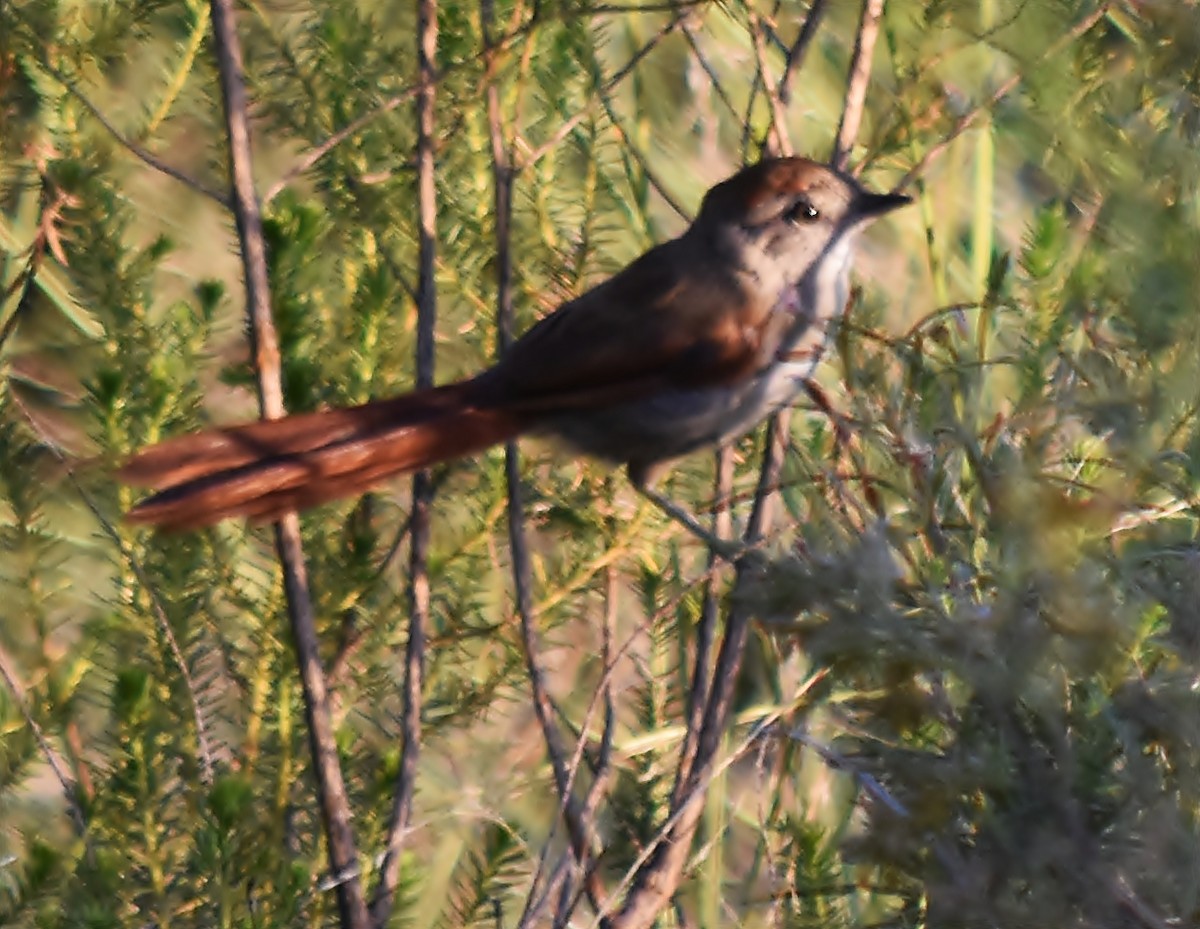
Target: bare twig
643, 163
645, 901
756, 85
331, 790
967, 120
568, 863
65, 780
316, 153
866, 780
1121, 891
857, 82
658, 876
783, 144
535, 155
203, 750
578, 824
141, 153
706, 629
796, 54
711, 71
422, 493
386, 106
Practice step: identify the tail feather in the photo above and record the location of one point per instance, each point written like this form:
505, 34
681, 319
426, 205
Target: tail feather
267, 468
202, 453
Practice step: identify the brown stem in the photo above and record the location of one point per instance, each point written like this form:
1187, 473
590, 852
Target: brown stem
706, 629
857, 82
795, 55
578, 821
331, 790
423, 488
782, 144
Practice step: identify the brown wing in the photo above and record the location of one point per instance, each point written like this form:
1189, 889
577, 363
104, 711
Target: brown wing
657, 324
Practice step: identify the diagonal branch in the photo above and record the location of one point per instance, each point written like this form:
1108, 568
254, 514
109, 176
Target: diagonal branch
706, 630
138, 151
331, 789
317, 152
967, 120
535, 155
799, 49
69, 785
782, 144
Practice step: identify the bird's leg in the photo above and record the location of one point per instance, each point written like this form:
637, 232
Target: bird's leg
642, 479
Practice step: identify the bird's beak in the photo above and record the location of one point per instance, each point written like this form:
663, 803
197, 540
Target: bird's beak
869, 206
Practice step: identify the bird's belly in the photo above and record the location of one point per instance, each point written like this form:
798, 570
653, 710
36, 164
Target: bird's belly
672, 423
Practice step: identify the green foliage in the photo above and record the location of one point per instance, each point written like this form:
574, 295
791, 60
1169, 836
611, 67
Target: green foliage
969, 698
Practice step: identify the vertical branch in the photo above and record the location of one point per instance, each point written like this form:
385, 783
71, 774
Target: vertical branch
856, 85
423, 490
578, 819
331, 790
712, 695
706, 629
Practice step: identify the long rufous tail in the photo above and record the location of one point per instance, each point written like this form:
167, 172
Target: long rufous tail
264, 469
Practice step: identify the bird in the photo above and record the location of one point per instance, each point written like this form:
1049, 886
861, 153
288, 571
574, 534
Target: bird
689, 346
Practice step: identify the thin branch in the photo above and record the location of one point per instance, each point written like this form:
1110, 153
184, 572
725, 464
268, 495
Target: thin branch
331, 790
711, 71
568, 861
65, 780
142, 154
796, 54
535, 155
504, 173
967, 120
383, 108
706, 629
756, 84
857, 82
422, 492
203, 750
315, 154
783, 144
652, 885
659, 875
643, 163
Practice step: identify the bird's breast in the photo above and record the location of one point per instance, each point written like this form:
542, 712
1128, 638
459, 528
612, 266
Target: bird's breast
670, 423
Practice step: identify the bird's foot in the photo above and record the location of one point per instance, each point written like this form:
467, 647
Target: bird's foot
728, 549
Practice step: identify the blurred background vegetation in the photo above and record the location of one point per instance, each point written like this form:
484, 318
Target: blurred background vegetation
970, 697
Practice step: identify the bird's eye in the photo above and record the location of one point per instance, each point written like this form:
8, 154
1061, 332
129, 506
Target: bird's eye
802, 212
